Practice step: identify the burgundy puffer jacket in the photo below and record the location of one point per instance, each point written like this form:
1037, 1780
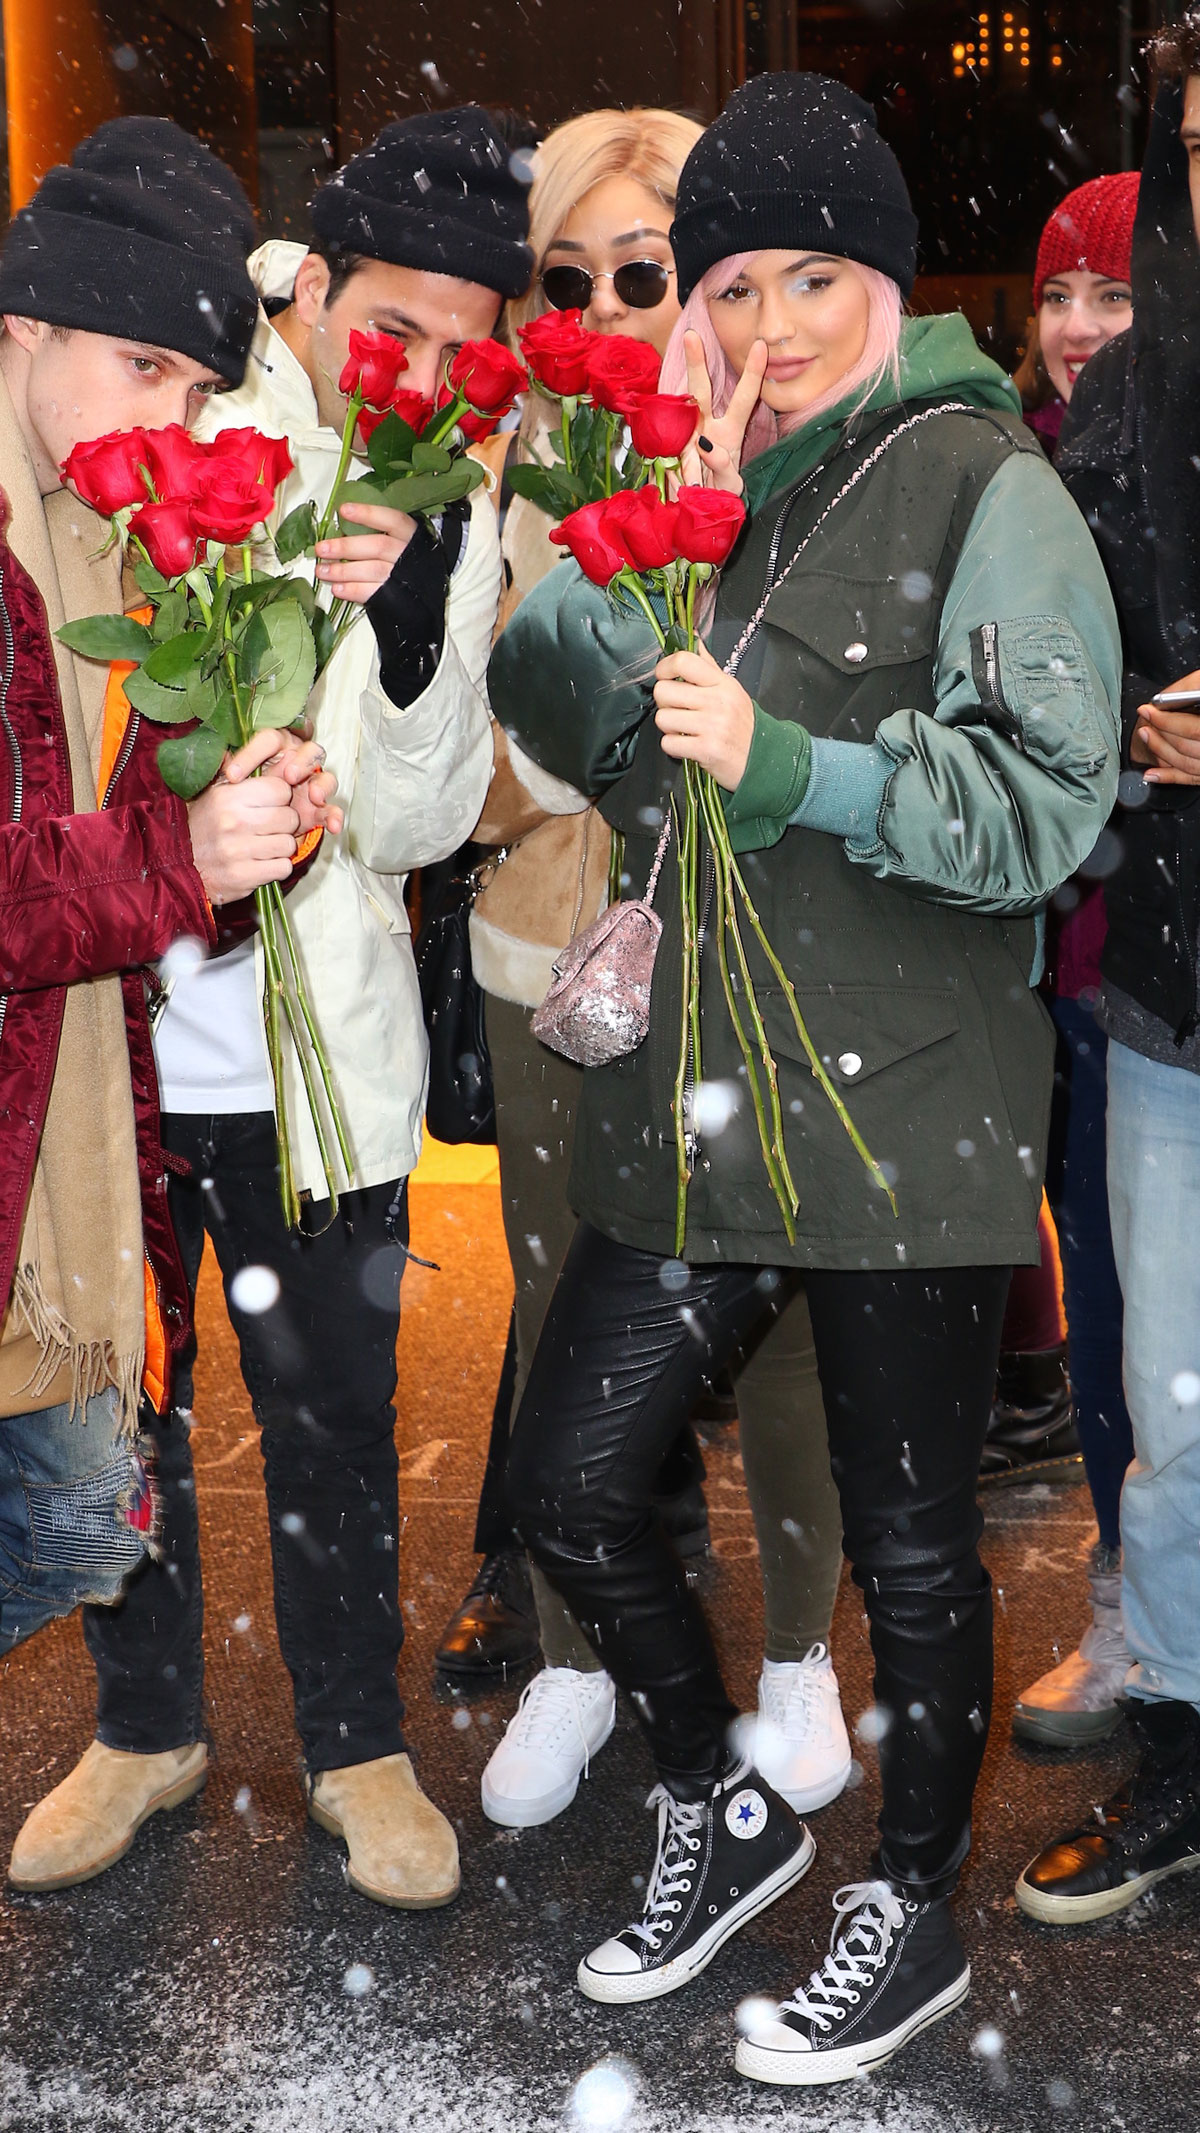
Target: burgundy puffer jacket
83, 896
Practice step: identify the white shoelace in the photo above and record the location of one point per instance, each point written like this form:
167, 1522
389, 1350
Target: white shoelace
679, 1826
856, 1954
805, 1701
548, 1708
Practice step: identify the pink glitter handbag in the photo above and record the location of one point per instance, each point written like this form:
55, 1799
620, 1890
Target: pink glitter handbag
598, 1006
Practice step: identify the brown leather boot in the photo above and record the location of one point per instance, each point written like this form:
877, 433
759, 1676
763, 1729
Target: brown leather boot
402, 1849
89, 1821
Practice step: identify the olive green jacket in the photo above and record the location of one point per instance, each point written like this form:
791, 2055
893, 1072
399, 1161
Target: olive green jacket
935, 750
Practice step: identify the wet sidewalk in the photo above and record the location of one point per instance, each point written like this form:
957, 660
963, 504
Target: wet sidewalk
223, 1978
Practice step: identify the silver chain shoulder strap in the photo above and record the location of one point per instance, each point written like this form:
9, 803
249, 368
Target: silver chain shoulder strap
950, 407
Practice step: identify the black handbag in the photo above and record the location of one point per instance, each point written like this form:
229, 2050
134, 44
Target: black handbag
460, 1105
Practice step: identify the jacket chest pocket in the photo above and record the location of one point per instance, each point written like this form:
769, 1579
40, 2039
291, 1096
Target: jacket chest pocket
843, 653
860, 1030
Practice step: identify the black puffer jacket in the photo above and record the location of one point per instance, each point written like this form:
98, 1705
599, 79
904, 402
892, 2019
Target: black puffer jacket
1130, 456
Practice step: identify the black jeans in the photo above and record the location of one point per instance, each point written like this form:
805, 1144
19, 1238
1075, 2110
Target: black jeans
907, 1363
320, 1367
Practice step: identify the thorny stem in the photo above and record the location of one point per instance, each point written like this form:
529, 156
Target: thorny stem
289, 939
272, 994
354, 408
814, 1061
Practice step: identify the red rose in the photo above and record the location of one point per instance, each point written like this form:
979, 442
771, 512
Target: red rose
168, 536
412, 407
621, 371
592, 542
372, 368
175, 461
557, 348
707, 523
644, 525
661, 424
107, 471
230, 503
254, 456
488, 376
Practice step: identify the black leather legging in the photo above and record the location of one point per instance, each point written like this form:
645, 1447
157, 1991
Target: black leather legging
907, 1363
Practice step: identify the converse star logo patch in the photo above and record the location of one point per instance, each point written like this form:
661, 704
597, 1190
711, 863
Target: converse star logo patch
746, 1814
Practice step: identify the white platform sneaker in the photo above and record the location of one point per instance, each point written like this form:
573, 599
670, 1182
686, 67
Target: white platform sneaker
800, 1743
561, 1722
1082, 1699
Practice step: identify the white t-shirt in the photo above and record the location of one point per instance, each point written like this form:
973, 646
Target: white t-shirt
209, 1045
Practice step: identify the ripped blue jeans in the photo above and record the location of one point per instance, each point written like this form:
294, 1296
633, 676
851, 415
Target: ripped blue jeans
73, 1497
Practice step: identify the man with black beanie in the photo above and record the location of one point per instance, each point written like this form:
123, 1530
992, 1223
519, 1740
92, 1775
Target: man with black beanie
125, 303
421, 236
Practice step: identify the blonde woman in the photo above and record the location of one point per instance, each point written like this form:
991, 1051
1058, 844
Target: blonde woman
601, 208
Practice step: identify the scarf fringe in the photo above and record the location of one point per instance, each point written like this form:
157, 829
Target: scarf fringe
92, 1364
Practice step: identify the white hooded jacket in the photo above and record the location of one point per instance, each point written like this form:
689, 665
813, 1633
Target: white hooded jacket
412, 783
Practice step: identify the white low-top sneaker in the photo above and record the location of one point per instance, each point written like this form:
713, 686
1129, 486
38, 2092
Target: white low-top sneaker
561, 1722
800, 1743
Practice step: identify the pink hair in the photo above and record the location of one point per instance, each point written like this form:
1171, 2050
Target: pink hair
879, 361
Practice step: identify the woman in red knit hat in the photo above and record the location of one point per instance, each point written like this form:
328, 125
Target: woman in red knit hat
1082, 298
1081, 294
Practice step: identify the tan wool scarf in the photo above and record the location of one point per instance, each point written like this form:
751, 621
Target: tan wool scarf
76, 1320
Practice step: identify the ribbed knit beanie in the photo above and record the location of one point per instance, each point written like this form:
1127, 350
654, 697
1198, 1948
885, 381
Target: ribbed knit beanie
435, 191
794, 159
144, 233
1090, 230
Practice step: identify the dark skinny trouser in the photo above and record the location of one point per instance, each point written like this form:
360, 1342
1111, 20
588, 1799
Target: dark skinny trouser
907, 1363
320, 1367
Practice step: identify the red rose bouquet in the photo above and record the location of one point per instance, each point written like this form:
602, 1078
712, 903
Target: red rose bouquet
656, 554
218, 654
614, 425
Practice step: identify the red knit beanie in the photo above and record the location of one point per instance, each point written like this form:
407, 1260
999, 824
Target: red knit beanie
1091, 229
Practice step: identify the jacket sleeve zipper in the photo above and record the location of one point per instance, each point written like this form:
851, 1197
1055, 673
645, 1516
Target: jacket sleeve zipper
985, 672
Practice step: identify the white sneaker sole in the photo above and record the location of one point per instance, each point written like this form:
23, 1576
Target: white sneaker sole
801, 2069
807, 1800
1065, 1729
1077, 1910
531, 1813
622, 1988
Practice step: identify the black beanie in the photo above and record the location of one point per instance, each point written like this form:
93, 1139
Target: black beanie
144, 234
435, 191
794, 159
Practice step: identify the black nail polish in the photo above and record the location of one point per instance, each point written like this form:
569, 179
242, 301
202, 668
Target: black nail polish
705, 443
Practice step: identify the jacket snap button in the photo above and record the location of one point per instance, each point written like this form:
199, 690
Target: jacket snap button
849, 1063
855, 654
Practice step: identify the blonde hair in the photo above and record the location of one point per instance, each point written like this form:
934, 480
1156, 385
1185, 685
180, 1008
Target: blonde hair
646, 145
878, 363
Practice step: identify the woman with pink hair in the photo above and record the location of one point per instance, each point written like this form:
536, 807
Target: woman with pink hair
907, 698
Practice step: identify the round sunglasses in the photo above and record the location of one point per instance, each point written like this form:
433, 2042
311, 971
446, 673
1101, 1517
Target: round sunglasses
640, 284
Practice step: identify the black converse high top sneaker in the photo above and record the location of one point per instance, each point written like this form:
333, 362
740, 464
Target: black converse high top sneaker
892, 1969
719, 1863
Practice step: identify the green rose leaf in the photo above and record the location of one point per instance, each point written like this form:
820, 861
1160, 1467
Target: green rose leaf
286, 668
171, 616
414, 492
168, 707
172, 662
107, 637
431, 458
297, 533
391, 445
149, 579
324, 637
191, 761
551, 488
204, 692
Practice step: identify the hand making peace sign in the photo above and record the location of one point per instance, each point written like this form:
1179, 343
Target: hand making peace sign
718, 467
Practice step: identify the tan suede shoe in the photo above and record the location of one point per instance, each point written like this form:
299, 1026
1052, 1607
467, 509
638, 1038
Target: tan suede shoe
89, 1821
402, 1849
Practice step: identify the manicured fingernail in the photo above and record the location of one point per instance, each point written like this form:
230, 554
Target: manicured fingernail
705, 443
